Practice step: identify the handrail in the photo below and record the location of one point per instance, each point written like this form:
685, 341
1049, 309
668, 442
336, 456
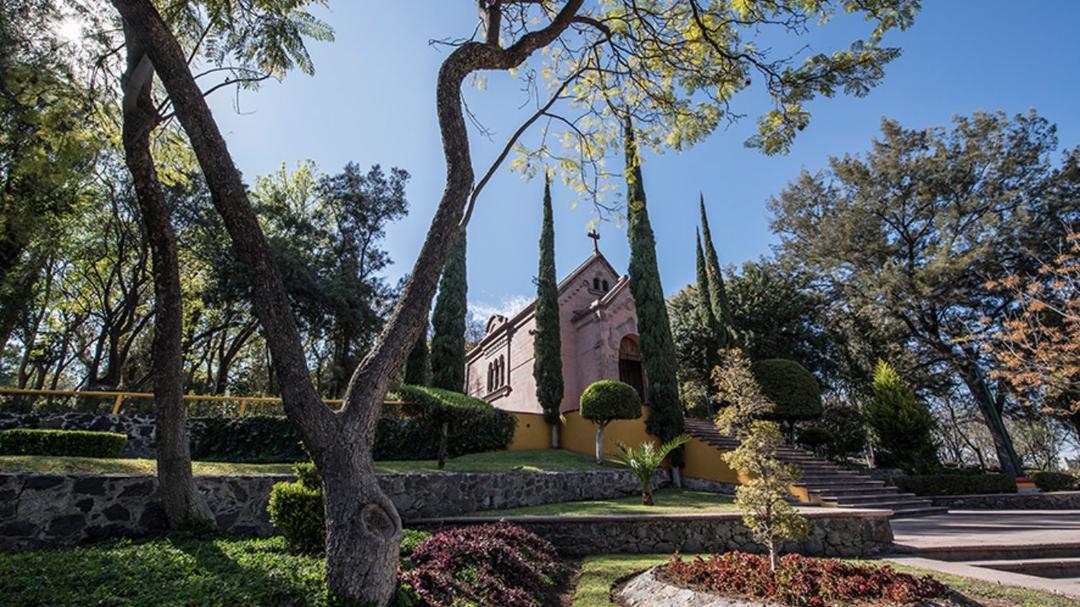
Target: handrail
119, 396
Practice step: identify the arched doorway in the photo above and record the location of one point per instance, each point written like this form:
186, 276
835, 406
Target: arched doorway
630, 370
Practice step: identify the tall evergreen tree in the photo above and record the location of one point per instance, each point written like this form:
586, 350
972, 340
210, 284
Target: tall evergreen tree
705, 310
418, 365
448, 320
547, 343
715, 278
657, 347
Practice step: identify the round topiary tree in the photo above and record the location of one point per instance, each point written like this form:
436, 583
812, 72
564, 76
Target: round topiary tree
790, 387
608, 400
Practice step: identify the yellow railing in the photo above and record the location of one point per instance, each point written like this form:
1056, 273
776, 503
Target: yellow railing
119, 397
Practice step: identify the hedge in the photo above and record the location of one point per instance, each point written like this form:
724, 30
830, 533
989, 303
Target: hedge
1055, 481
475, 427
607, 399
75, 443
956, 484
792, 388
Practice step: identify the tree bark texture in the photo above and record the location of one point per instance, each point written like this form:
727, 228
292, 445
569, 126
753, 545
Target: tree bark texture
180, 498
363, 528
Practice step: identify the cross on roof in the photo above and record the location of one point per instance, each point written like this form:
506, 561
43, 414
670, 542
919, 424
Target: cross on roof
595, 240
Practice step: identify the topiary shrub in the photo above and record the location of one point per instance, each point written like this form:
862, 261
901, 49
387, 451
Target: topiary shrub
252, 438
66, 443
1055, 481
956, 484
607, 400
296, 508
790, 387
497, 565
902, 424
456, 424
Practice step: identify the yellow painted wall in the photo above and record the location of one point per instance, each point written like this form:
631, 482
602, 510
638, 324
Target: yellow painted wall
703, 461
532, 432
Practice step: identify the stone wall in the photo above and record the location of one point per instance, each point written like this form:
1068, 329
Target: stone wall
1057, 500
40, 510
140, 429
833, 532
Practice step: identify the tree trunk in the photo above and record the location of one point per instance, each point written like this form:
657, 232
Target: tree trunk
363, 528
181, 500
444, 443
676, 477
600, 442
554, 436
980, 391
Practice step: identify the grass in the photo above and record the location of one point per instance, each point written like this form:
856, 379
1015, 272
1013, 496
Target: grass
668, 501
532, 460
600, 573
173, 571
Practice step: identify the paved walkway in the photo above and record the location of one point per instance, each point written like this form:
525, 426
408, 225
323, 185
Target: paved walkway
1019, 543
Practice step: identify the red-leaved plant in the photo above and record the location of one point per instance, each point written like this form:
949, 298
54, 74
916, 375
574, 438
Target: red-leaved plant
800, 581
496, 565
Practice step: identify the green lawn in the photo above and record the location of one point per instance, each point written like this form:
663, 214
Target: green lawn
495, 461
668, 501
600, 573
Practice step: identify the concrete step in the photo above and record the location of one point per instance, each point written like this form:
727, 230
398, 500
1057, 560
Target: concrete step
837, 482
854, 491
1067, 567
884, 504
918, 511
856, 500
994, 552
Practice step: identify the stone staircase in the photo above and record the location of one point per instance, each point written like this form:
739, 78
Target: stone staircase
825, 483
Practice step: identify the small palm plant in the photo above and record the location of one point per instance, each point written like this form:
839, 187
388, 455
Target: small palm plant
645, 460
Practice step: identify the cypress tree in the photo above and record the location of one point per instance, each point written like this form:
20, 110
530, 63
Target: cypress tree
547, 343
717, 294
418, 365
448, 320
657, 347
708, 318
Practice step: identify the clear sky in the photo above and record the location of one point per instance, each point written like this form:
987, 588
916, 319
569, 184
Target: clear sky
372, 101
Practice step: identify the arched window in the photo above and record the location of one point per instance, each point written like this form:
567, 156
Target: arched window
491, 377
596, 284
630, 369
605, 286
502, 372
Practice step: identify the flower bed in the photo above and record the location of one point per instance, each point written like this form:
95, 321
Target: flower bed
800, 581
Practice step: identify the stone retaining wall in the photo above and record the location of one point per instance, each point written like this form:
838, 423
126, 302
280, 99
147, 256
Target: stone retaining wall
1057, 500
41, 510
833, 532
140, 429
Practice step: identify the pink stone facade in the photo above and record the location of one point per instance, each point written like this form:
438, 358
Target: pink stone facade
598, 323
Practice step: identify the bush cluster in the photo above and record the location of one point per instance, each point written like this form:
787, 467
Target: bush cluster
956, 484
296, 509
790, 387
474, 425
496, 565
607, 399
1055, 481
801, 581
72, 443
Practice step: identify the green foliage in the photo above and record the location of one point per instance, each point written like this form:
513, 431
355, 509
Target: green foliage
475, 425
418, 365
790, 387
657, 347
297, 510
252, 438
901, 424
956, 484
607, 399
839, 433
716, 294
714, 332
547, 340
410, 539
448, 319
179, 569
75, 443
1055, 481
646, 460
694, 344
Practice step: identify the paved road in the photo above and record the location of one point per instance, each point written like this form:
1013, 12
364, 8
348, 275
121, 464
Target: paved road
972, 543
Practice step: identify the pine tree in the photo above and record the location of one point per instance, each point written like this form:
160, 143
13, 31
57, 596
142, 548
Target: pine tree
705, 311
547, 343
418, 365
715, 278
448, 320
657, 347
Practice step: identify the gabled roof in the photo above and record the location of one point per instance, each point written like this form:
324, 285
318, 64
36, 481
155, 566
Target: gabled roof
564, 284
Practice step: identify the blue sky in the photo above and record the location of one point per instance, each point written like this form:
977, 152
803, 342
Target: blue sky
372, 101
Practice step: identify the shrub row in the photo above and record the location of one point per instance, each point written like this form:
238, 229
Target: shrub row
72, 443
1055, 481
956, 484
474, 427
801, 581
